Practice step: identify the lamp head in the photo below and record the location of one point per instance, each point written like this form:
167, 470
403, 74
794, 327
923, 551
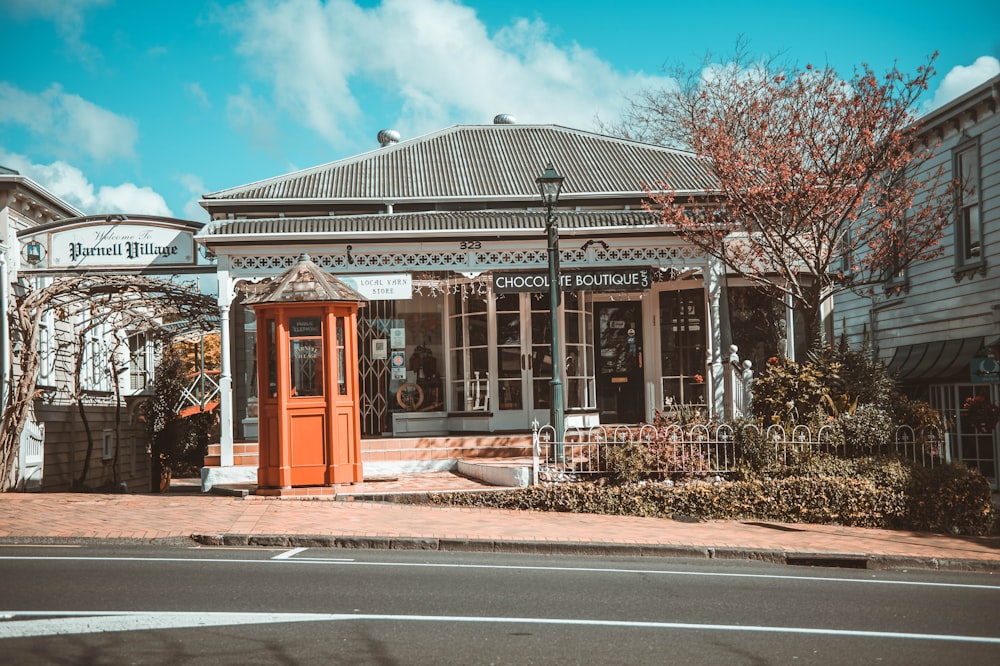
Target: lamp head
549, 185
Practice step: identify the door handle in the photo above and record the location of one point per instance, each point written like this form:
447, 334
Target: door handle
640, 359
522, 361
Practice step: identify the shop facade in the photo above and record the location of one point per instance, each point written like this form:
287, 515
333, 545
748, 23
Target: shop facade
445, 237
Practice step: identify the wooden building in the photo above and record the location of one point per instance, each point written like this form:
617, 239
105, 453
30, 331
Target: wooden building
937, 323
445, 234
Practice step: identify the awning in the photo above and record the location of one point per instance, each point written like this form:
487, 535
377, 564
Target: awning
942, 360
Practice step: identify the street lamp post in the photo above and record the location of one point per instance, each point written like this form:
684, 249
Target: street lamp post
549, 185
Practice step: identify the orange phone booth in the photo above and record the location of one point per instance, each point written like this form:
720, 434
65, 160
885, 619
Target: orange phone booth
307, 373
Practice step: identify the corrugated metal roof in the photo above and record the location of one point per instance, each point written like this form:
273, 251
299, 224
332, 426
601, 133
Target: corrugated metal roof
433, 221
486, 162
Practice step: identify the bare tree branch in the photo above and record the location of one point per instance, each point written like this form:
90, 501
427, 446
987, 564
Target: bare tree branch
131, 302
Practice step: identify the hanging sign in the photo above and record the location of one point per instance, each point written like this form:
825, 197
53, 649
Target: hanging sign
389, 287
610, 279
984, 370
120, 245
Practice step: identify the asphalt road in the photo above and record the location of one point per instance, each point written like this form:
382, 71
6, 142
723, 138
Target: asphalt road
146, 605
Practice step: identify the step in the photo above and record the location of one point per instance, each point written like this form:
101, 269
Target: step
513, 473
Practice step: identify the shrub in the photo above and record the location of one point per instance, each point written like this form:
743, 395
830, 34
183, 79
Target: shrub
628, 462
952, 498
868, 428
177, 443
917, 414
752, 447
836, 379
862, 492
787, 391
855, 373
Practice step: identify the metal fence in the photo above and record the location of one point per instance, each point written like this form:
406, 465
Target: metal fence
706, 450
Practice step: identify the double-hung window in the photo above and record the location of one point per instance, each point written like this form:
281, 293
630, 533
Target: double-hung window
968, 221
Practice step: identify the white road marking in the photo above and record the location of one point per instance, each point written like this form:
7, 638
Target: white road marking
289, 553
84, 622
510, 567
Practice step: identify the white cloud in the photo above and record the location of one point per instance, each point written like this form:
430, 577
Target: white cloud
68, 17
961, 80
199, 94
432, 59
196, 187
69, 184
252, 116
67, 124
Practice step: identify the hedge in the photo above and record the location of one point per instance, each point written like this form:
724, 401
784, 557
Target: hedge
864, 492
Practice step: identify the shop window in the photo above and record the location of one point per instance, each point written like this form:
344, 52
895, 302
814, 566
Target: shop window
756, 325
416, 354
468, 326
579, 369
46, 354
682, 347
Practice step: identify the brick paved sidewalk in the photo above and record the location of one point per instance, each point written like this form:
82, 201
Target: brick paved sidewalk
177, 517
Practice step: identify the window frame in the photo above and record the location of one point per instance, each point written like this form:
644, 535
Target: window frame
965, 239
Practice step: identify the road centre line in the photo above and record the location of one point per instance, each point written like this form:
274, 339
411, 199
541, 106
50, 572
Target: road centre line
509, 567
58, 623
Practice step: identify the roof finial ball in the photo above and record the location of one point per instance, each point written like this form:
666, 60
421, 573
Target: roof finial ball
504, 119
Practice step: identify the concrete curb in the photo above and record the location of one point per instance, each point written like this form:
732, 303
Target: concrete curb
790, 558
872, 562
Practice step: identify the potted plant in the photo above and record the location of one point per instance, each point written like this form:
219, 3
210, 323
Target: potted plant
697, 379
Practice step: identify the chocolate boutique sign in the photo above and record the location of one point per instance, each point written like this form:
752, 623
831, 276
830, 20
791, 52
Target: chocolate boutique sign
615, 279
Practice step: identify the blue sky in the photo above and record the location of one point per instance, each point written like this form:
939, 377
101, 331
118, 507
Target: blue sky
143, 106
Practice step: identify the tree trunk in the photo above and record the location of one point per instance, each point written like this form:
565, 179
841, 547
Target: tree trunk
15, 412
78, 369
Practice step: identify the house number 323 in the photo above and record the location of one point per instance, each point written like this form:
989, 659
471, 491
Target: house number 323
470, 245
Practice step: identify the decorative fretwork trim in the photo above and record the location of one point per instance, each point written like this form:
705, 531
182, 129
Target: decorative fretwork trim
466, 261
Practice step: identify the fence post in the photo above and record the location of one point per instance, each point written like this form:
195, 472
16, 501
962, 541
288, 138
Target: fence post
535, 452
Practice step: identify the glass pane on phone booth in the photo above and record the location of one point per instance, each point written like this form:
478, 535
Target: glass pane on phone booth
305, 347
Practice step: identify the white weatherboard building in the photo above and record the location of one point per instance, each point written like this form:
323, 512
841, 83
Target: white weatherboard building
937, 324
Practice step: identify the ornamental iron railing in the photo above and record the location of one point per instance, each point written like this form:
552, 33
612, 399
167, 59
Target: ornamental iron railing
712, 450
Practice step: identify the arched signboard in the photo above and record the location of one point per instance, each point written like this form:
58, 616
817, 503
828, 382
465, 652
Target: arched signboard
112, 244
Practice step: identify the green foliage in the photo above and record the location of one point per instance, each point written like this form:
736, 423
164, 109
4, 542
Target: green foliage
177, 443
868, 428
836, 379
952, 498
628, 462
787, 391
917, 414
752, 447
855, 373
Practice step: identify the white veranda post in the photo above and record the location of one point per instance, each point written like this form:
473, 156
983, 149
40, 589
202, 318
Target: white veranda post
225, 370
